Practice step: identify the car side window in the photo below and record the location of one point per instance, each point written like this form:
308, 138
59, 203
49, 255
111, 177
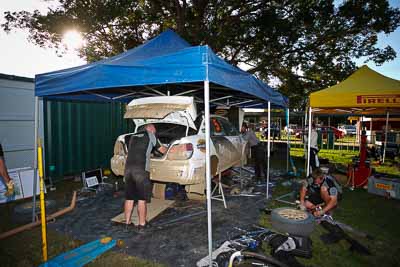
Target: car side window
229, 129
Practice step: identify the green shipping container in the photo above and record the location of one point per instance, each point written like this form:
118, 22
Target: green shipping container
80, 135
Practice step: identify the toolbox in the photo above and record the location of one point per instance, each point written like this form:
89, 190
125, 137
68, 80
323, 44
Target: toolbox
383, 186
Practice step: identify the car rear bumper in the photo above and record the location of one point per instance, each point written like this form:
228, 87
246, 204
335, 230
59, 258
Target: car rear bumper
177, 171
170, 171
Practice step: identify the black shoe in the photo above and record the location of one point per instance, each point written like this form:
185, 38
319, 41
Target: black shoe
141, 229
128, 228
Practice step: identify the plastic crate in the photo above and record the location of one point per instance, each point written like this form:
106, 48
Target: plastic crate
383, 186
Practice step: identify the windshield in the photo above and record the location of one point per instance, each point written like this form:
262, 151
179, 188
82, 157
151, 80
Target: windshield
350, 127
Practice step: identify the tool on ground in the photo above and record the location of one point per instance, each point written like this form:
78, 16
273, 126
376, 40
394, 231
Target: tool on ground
243, 246
337, 233
281, 198
83, 254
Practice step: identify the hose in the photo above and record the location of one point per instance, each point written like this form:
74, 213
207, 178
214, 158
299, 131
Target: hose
48, 218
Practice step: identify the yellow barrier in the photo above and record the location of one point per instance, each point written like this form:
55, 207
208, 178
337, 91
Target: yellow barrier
42, 203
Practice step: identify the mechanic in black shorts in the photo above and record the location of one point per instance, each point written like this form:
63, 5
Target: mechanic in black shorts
320, 194
138, 186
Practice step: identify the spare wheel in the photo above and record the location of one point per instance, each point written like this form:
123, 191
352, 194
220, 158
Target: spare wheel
292, 221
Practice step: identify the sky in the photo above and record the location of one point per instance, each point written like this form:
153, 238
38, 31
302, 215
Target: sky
21, 58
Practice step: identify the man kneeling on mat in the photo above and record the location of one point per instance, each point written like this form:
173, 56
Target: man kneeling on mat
138, 186
319, 194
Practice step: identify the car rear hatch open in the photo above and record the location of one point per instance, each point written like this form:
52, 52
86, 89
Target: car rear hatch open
179, 110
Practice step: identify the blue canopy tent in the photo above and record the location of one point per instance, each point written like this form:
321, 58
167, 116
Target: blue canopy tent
166, 62
165, 65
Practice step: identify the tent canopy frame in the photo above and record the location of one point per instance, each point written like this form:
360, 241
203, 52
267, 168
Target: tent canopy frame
50, 86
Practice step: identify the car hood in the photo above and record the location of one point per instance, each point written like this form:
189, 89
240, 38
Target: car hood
162, 109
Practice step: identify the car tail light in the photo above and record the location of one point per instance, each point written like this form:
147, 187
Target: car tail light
180, 152
119, 149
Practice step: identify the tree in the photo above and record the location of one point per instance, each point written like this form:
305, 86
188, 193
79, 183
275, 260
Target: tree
301, 45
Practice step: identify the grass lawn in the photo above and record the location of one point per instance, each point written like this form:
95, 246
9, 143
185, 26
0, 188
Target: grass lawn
344, 157
365, 212
336, 156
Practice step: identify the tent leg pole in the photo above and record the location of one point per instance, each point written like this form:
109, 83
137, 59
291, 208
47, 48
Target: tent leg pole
268, 146
288, 138
35, 162
309, 142
359, 140
208, 165
386, 131
304, 127
370, 132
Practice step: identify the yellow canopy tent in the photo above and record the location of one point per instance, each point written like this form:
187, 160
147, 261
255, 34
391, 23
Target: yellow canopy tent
364, 92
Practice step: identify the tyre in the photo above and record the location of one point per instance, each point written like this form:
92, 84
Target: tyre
292, 221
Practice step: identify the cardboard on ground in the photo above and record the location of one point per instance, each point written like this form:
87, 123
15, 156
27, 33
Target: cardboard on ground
153, 209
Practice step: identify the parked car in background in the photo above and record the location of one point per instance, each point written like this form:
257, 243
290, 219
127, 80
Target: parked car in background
275, 132
291, 129
294, 130
348, 129
325, 129
183, 132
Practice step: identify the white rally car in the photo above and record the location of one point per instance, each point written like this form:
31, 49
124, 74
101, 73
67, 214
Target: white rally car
183, 132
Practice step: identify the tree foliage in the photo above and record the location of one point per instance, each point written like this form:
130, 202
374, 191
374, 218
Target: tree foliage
301, 45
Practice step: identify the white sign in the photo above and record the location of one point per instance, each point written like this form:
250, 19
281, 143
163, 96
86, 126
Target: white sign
8, 196
92, 181
23, 179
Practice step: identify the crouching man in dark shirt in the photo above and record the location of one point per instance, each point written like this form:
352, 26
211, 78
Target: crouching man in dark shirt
320, 194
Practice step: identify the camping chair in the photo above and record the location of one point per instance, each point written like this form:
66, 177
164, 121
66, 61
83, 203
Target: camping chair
93, 180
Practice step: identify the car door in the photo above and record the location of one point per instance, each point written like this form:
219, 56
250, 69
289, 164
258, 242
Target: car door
233, 144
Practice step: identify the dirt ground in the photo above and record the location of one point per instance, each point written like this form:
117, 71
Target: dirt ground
173, 239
